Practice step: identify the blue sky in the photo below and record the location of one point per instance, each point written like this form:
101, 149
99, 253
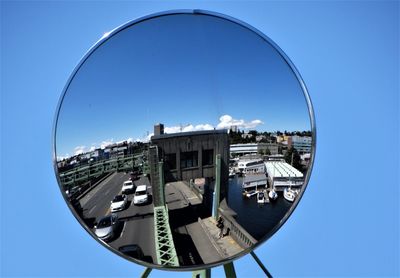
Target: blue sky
179, 70
347, 223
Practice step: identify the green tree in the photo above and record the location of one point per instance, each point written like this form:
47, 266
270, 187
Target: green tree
292, 157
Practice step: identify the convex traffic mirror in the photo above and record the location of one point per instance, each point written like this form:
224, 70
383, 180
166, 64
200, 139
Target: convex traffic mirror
183, 140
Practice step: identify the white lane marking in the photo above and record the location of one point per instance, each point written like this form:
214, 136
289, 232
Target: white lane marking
91, 210
123, 230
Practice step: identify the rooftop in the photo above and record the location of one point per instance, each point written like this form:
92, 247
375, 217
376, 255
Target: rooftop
190, 133
282, 169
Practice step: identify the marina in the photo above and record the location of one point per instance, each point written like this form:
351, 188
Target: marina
258, 218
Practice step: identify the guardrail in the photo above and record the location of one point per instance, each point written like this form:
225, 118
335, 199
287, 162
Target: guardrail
236, 231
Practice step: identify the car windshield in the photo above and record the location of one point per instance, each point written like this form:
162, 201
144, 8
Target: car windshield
128, 183
118, 198
105, 222
141, 192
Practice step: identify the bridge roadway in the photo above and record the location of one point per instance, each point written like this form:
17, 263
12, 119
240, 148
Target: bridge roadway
137, 222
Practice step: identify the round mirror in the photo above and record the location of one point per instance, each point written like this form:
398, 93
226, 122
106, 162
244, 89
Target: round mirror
183, 140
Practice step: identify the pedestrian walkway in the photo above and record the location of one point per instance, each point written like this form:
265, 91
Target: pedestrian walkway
179, 195
226, 246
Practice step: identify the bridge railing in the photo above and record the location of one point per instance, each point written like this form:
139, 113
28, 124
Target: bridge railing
236, 231
80, 175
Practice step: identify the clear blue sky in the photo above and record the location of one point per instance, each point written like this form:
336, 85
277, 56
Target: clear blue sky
347, 223
179, 69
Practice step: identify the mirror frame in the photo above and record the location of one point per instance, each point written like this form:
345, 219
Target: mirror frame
108, 35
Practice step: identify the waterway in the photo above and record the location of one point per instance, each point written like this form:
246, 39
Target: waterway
257, 219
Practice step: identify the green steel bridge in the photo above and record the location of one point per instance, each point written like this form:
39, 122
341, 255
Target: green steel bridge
85, 173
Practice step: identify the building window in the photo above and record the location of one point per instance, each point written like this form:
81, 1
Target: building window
170, 161
208, 157
189, 159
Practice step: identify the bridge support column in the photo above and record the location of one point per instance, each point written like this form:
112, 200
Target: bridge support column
161, 185
217, 186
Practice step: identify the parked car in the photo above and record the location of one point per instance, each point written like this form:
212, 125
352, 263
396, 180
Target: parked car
119, 202
141, 195
105, 229
128, 186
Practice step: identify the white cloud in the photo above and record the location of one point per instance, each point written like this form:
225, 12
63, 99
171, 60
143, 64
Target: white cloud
59, 158
226, 121
187, 128
79, 150
106, 143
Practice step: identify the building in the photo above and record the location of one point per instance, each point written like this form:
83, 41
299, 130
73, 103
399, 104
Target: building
191, 155
234, 128
254, 148
301, 143
281, 175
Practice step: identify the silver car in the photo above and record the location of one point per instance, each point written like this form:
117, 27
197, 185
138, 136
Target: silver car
105, 229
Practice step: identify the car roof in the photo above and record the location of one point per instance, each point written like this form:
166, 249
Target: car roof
141, 187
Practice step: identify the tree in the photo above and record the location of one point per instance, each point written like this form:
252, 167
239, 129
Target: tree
292, 157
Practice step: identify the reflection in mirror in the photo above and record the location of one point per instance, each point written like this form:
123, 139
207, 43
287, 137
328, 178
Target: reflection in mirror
183, 140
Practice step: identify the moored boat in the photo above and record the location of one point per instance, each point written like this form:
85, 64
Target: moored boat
272, 194
250, 193
261, 197
289, 194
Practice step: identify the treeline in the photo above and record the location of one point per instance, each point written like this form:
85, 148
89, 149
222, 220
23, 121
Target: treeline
253, 136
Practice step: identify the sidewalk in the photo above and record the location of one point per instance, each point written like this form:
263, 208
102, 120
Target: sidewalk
225, 246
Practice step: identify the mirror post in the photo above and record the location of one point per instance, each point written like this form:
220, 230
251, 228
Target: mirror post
261, 265
229, 269
204, 273
146, 273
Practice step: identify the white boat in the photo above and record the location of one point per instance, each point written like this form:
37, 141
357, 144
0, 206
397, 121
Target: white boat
251, 193
251, 167
261, 197
231, 173
289, 194
273, 195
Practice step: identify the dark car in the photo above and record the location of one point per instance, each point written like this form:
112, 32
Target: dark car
133, 251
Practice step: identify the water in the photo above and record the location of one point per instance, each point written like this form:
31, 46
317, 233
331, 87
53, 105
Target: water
256, 219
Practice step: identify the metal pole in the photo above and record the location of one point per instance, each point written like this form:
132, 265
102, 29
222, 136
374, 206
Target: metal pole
146, 273
217, 185
261, 264
204, 273
229, 270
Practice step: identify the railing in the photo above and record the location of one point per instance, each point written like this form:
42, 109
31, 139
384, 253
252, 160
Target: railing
236, 231
165, 248
80, 175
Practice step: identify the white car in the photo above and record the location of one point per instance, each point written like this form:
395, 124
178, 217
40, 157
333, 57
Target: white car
141, 195
106, 227
128, 186
119, 203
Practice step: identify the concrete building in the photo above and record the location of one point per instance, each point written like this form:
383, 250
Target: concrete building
191, 155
